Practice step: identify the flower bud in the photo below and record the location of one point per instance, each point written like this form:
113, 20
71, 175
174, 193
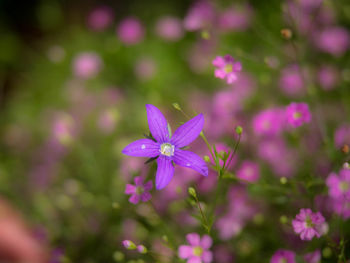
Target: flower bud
286, 33
128, 244
142, 249
239, 130
176, 106
206, 158
192, 192
284, 219
283, 180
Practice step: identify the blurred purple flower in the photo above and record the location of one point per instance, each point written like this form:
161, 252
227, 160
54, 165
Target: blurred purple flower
269, 122
291, 81
308, 224
169, 28
139, 191
130, 31
169, 149
342, 136
145, 68
339, 185
328, 77
200, 16
100, 18
198, 249
87, 65
313, 257
235, 18
283, 255
227, 68
333, 40
248, 171
297, 114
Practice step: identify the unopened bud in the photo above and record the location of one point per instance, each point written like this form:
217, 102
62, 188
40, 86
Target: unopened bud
345, 149
206, 158
128, 244
192, 191
205, 34
176, 106
142, 249
284, 219
283, 180
286, 33
239, 130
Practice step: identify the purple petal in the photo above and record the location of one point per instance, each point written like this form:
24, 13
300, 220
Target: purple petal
134, 199
193, 239
188, 131
165, 172
157, 123
219, 62
185, 251
194, 259
220, 73
207, 257
148, 186
138, 180
146, 196
206, 242
130, 189
142, 148
190, 160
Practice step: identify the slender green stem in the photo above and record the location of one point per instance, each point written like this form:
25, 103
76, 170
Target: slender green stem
203, 215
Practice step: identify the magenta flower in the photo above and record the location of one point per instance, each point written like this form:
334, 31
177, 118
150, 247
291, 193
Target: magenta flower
227, 68
297, 114
139, 191
313, 257
130, 31
283, 256
87, 65
249, 171
167, 149
269, 122
198, 249
100, 18
339, 186
308, 224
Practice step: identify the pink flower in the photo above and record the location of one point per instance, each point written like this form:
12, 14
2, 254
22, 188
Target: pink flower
342, 136
130, 31
87, 65
283, 255
169, 28
328, 77
227, 68
145, 68
297, 114
139, 191
308, 224
313, 257
291, 81
100, 18
198, 249
339, 186
248, 171
269, 122
200, 16
236, 18
333, 40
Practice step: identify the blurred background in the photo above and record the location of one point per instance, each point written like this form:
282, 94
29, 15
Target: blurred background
74, 80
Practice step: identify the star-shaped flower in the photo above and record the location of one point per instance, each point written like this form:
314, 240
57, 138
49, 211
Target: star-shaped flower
169, 149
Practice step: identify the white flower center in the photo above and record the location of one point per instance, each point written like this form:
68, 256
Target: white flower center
167, 149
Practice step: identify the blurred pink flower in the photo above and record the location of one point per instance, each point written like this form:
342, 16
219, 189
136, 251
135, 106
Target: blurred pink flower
269, 122
200, 16
291, 81
248, 171
339, 185
227, 68
333, 40
235, 18
283, 255
139, 191
100, 18
107, 120
342, 136
313, 257
87, 65
145, 68
308, 224
198, 249
169, 28
130, 31
328, 77
297, 114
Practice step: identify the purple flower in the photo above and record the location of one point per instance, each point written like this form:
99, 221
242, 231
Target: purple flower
100, 18
200, 16
313, 257
308, 224
269, 122
169, 28
249, 171
342, 135
297, 114
227, 68
198, 249
139, 191
291, 81
283, 256
87, 65
130, 31
167, 149
328, 77
333, 40
339, 186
